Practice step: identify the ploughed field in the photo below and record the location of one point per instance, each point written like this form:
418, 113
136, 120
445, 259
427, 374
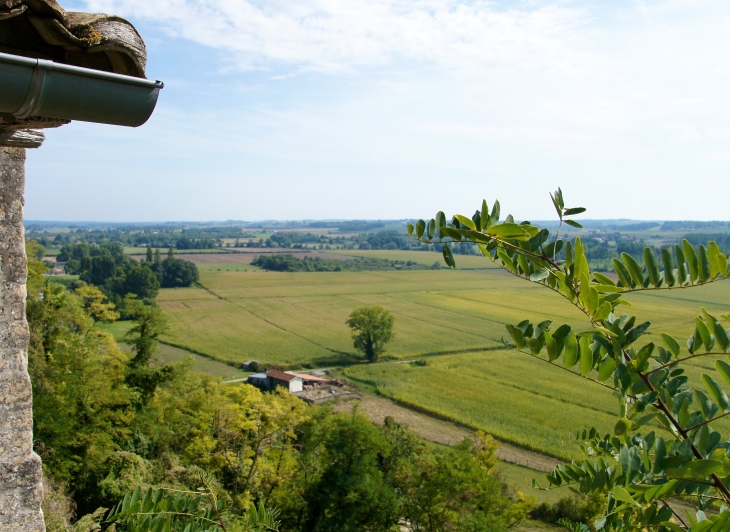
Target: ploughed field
292, 319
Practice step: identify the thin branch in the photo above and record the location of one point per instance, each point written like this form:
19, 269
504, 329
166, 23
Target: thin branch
557, 234
716, 482
708, 421
679, 517
650, 288
571, 372
677, 361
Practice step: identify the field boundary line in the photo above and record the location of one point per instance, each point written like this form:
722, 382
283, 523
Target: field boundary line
335, 351
199, 353
433, 324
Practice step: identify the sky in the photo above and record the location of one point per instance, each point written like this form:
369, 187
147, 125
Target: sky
391, 109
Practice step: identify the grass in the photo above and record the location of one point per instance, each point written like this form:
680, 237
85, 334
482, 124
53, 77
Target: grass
227, 267
427, 258
299, 318
519, 478
172, 355
117, 329
291, 319
492, 391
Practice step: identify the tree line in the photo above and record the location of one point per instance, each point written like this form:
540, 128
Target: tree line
106, 266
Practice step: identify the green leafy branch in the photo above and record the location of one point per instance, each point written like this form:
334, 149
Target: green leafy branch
639, 472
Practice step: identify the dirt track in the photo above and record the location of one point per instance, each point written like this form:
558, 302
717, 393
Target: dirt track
438, 431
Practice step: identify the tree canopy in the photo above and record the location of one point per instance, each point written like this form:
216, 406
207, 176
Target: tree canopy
372, 329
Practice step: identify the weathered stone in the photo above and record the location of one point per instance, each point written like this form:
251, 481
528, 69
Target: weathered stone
21, 489
22, 138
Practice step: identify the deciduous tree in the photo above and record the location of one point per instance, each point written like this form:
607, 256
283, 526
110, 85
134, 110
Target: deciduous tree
372, 328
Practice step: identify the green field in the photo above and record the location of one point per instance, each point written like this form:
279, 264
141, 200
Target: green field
224, 267
427, 258
299, 318
291, 319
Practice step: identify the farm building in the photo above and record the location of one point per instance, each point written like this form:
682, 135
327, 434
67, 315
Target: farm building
260, 380
275, 378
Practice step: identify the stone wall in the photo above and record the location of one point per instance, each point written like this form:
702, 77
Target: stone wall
20, 468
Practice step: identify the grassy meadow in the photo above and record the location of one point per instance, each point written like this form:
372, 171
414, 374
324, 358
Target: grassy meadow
292, 319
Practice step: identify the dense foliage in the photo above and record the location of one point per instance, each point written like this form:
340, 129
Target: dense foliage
664, 444
372, 329
289, 263
107, 267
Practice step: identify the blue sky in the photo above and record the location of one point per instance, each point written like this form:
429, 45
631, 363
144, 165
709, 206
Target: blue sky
315, 109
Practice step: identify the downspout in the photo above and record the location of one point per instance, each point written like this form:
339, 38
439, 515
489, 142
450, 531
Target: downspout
37, 87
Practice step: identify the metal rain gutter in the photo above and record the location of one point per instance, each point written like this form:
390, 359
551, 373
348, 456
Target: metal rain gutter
37, 87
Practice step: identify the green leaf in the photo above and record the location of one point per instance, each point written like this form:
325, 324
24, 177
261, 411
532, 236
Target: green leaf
494, 217
410, 229
703, 265
420, 228
643, 420
606, 369
620, 494
586, 356
718, 261
431, 228
557, 205
622, 426
440, 219
517, 336
716, 392
652, 267
580, 268
540, 274
573, 223
704, 332
706, 406
723, 368
450, 232
671, 344
448, 257
507, 260
477, 219
522, 261
602, 279
573, 211
623, 274
512, 231
691, 257
603, 311
634, 269
668, 268
568, 254
704, 468
681, 265
484, 216
551, 345
721, 336
571, 350
466, 222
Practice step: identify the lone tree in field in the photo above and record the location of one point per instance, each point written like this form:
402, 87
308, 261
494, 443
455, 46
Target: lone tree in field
667, 441
372, 328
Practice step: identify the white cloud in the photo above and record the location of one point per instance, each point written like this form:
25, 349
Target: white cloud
532, 96
337, 35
